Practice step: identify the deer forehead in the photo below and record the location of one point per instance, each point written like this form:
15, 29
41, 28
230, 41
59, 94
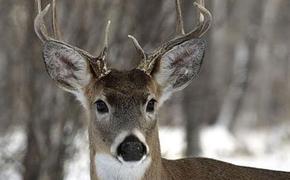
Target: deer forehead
132, 86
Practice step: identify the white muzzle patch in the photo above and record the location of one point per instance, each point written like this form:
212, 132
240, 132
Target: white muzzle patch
111, 166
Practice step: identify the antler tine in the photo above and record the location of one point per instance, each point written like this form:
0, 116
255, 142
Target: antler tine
205, 17
138, 47
38, 3
104, 52
98, 64
107, 33
204, 24
56, 32
39, 25
179, 23
201, 3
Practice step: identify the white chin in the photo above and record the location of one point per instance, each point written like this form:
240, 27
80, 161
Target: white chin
132, 164
109, 167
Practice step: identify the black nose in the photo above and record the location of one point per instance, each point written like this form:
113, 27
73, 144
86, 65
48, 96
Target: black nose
131, 149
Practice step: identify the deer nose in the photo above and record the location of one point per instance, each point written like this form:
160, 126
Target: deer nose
131, 149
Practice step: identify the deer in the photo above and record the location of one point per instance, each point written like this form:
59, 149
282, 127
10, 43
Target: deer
122, 106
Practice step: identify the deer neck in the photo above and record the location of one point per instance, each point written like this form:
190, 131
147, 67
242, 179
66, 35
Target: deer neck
154, 170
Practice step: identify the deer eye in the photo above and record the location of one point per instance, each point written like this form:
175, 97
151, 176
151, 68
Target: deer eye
150, 106
101, 106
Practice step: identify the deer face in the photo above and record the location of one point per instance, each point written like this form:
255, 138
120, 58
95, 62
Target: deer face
123, 105
123, 108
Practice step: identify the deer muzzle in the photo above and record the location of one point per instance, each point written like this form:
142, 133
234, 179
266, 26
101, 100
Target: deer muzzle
131, 149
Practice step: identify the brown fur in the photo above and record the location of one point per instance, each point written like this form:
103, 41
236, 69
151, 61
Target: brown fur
207, 169
131, 88
127, 92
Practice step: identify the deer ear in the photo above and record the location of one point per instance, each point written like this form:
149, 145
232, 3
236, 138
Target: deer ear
66, 66
176, 68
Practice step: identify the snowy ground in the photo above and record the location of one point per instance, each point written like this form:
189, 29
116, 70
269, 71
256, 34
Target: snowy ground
11, 145
260, 148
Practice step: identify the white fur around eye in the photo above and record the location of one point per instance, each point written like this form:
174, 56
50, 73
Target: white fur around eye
102, 117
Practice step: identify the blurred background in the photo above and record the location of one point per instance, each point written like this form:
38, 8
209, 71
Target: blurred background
238, 110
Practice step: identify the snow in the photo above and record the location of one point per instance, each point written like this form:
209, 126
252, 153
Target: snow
78, 167
217, 141
263, 148
172, 142
11, 145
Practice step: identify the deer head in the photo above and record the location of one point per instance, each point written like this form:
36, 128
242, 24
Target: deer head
122, 106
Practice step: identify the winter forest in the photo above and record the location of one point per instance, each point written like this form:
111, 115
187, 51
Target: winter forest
237, 110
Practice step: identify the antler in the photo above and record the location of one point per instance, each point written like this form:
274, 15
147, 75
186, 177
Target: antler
179, 18
149, 59
98, 63
39, 26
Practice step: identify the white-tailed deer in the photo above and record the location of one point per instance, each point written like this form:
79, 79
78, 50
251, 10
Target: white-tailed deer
122, 106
